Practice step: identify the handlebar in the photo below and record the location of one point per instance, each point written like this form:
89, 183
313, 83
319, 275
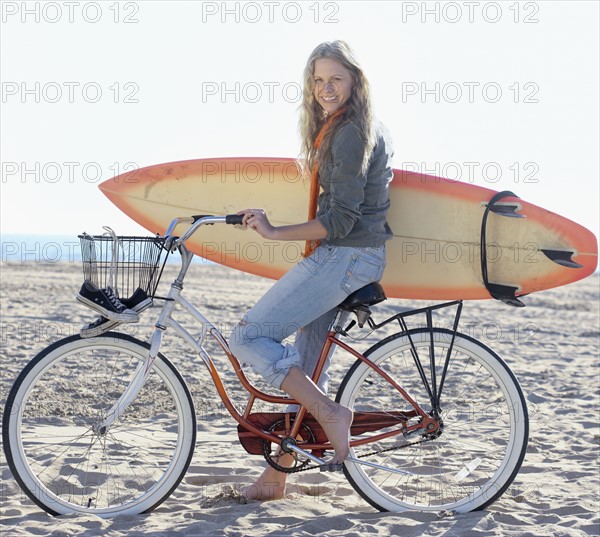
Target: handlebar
196, 221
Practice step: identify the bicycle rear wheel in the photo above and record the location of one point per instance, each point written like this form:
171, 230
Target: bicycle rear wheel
60, 459
485, 426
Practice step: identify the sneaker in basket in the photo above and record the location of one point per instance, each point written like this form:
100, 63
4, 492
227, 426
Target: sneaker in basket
106, 302
137, 302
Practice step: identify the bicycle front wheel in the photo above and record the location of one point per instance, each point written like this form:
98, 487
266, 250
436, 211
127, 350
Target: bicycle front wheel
55, 449
484, 433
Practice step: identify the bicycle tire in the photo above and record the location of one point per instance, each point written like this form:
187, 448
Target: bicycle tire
485, 426
57, 458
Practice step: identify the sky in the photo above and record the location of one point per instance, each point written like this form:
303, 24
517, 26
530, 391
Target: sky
499, 94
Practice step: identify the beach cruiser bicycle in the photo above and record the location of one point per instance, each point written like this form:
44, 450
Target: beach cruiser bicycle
106, 424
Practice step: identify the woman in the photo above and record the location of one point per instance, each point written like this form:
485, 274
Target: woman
348, 155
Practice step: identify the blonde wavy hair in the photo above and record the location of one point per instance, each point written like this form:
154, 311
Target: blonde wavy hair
312, 116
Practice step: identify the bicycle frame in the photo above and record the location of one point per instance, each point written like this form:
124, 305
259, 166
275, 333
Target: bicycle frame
165, 320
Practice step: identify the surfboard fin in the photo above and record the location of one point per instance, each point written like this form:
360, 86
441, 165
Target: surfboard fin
562, 258
505, 293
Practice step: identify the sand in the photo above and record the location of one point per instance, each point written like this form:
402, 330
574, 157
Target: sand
552, 345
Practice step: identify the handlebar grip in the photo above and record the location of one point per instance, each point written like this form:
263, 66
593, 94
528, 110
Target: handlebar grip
234, 219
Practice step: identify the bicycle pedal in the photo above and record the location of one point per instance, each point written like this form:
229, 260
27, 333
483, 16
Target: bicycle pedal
331, 467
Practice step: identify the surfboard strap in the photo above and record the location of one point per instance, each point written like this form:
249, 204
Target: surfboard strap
504, 293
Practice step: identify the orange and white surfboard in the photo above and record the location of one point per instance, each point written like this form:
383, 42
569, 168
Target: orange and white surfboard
435, 253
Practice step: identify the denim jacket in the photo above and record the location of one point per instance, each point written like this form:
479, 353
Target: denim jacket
353, 206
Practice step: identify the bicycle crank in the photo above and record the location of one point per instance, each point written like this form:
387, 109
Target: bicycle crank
273, 457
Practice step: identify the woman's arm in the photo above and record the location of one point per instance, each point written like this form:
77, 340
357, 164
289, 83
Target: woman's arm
257, 220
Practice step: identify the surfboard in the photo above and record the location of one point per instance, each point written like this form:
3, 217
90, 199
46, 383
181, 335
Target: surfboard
436, 252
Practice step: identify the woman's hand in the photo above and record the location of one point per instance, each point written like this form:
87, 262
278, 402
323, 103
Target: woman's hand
257, 220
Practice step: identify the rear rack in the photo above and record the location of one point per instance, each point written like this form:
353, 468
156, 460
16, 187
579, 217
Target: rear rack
432, 384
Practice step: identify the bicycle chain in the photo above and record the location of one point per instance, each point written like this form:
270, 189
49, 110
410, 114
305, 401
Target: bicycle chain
313, 467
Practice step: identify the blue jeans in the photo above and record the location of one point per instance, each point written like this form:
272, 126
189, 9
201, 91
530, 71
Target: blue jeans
304, 300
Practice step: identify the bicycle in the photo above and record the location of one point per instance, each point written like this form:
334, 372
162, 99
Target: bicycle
107, 425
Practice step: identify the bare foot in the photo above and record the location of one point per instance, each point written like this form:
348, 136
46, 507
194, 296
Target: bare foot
264, 489
270, 485
336, 421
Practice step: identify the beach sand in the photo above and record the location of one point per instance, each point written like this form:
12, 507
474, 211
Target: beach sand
552, 346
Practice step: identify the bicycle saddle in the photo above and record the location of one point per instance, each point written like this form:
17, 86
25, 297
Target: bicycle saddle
366, 296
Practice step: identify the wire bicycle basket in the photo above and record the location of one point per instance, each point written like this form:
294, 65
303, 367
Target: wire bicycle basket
123, 263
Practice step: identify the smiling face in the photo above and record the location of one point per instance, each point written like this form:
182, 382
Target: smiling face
332, 84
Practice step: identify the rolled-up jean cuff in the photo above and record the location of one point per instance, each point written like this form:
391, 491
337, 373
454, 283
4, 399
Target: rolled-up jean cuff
275, 374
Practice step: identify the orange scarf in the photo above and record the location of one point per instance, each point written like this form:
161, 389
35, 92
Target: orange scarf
311, 245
